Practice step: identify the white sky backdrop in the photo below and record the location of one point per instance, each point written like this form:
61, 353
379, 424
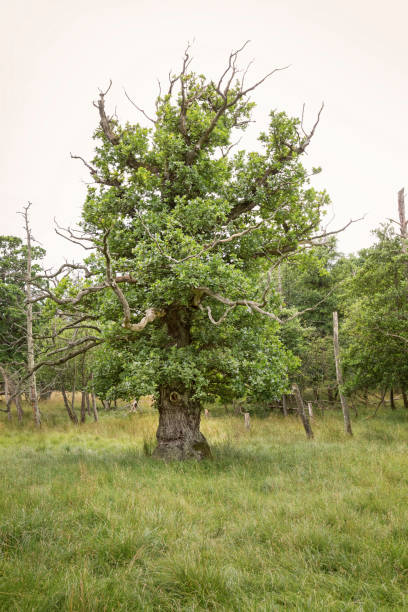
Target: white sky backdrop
55, 54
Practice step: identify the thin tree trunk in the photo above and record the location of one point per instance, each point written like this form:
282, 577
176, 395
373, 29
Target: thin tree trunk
71, 413
7, 392
310, 409
392, 402
94, 408
74, 386
354, 407
378, 406
302, 411
344, 407
405, 398
19, 408
284, 405
88, 406
29, 315
403, 222
83, 411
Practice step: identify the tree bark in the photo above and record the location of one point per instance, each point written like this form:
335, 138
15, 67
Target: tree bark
405, 398
344, 406
302, 412
178, 434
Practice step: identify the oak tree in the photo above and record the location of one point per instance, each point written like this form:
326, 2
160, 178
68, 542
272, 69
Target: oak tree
184, 233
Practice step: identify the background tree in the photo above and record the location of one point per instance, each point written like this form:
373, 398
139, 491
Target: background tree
13, 314
376, 324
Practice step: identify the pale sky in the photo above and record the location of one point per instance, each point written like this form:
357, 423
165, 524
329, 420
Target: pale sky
353, 55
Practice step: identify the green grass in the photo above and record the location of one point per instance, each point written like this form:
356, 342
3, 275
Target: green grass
90, 522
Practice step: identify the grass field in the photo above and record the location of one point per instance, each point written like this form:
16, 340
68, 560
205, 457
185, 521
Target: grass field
90, 522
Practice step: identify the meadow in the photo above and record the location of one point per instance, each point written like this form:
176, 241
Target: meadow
89, 521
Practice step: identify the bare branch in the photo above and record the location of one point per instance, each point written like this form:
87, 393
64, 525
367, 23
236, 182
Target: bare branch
151, 313
105, 122
327, 234
209, 312
225, 151
95, 175
251, 305
62, 268
138, 108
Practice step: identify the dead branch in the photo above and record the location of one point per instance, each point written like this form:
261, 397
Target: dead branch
105, 121
98, 179
138, 108
251, 305
151, 313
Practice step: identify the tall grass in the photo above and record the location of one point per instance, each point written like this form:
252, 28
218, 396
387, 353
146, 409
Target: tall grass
90, 522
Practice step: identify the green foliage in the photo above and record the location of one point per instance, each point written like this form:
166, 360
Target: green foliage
377, 316
313, 280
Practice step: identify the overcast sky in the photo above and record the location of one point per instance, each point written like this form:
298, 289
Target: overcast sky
353, 55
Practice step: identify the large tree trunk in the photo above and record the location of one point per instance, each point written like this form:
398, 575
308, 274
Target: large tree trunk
178, 434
